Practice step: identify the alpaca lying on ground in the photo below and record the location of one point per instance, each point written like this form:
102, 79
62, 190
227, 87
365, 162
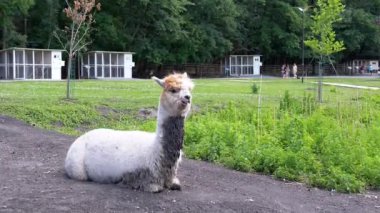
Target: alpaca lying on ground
142, 160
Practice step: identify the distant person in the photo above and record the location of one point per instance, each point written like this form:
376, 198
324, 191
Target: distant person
294, 70
361, 69
370, 68
283, 70
287, 71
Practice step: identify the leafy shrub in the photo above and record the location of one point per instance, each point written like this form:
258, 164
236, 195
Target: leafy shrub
255, 89
325, 146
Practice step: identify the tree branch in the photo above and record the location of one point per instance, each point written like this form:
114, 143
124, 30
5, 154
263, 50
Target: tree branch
87, 29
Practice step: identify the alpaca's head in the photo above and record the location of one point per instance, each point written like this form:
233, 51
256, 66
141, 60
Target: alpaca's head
176, 96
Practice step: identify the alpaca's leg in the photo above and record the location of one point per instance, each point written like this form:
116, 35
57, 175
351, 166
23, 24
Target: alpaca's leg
143, 179
152, 187
173, 182
153, 183
175, 185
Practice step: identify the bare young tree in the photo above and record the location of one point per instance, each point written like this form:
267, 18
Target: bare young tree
75, 37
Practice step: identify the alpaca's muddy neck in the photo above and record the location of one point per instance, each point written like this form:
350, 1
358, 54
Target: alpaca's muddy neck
172, 136
173, 132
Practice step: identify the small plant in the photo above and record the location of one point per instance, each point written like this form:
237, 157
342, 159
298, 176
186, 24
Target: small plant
255, 88
286, 101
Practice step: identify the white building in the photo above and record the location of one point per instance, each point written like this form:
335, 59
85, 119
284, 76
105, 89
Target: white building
243, 65
30, 64
107, 65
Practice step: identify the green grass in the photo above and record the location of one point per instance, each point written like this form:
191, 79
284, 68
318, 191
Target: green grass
278, 130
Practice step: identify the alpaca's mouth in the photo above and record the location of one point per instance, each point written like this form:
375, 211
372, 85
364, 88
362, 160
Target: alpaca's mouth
185, 102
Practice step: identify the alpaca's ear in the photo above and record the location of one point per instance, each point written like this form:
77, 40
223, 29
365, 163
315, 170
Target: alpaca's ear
159, 81
184, 74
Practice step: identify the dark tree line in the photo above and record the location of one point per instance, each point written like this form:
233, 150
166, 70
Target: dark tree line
195, 31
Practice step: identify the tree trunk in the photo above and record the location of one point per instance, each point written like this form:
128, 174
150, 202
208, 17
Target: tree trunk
68, 89
320, 80
4, 35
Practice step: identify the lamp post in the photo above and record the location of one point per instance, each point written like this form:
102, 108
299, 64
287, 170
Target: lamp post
303, 41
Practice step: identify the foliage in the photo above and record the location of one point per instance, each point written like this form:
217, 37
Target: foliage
211, 30
75, 36
323, 39
185, 31
293, 144
361, 37
10, 12
42, 22
152, 29
273, 28
255, 88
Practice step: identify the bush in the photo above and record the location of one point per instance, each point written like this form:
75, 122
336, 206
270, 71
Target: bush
301, 141
255, 88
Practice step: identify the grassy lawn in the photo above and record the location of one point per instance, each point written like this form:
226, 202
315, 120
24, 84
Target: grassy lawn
281, 130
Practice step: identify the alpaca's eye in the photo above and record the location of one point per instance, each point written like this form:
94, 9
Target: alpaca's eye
173, 90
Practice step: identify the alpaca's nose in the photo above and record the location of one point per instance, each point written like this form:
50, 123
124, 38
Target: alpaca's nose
187, 97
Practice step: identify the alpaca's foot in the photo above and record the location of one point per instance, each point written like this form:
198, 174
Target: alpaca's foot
175, 184
155, 188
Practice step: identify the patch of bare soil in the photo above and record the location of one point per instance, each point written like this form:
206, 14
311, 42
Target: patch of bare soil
32, 179
147, 113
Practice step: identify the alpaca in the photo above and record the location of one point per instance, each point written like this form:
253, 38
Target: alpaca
141, 160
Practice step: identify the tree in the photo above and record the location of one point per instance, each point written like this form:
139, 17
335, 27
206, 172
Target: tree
156, 29
189, 31
272, 28
360, 28
42, 22
211, 27
75, 37
112, 26
168, 31
152, 29
323, 39
9, 12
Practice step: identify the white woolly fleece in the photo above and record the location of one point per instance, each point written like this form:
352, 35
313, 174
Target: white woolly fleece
104, 155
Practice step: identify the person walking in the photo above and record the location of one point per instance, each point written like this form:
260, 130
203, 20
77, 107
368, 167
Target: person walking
287, 71
283, 70
370, 68
294, 69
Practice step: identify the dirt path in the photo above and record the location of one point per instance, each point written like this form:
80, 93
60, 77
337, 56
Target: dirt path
32, 180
